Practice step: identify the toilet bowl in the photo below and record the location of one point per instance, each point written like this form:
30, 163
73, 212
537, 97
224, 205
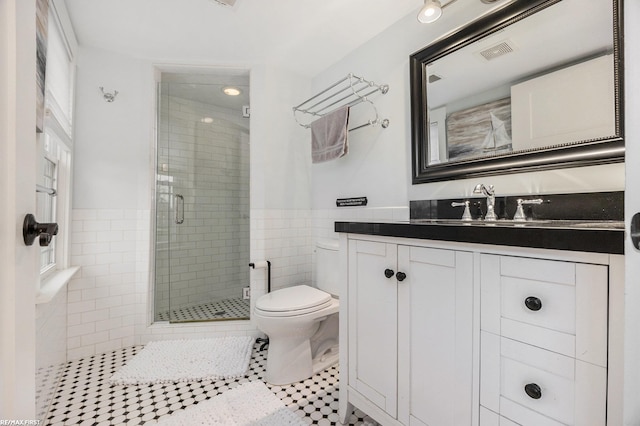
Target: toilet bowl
302, 323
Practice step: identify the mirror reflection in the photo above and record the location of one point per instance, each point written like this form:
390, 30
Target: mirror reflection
527, 82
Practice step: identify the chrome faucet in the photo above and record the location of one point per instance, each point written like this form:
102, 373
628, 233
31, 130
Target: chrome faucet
520, 216
490, 193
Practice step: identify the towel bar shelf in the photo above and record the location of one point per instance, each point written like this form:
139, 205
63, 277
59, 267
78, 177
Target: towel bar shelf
348, 91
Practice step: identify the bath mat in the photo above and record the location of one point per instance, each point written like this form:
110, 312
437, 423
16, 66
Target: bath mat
248, 404
172, 361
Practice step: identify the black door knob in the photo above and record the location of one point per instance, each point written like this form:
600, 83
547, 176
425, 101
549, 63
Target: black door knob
533, 303
31, 229
533, 391
400, 276
388, 273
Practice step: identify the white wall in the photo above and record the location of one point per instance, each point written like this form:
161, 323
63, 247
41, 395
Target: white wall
112, 151
113, 195
280, 158
111, 200
51, 349
280, 180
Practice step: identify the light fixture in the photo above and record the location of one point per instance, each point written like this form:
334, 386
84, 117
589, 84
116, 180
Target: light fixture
430, 12
231, 91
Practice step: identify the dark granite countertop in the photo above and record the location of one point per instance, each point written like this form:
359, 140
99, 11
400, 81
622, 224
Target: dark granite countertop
585, 236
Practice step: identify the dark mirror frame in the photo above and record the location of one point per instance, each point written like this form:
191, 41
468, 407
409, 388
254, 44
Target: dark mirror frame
582, 153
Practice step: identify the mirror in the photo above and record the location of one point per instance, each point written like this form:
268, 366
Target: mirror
535, 85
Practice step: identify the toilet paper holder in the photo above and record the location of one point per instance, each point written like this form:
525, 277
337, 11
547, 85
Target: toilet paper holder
261, 265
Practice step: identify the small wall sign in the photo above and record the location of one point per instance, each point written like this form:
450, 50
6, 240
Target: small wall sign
351, 202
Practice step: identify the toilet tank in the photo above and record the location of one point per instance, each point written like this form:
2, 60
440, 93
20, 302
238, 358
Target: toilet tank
327, 262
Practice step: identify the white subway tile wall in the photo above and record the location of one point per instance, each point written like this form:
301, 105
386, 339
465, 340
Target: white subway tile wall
111, 246
283, 237
108, 299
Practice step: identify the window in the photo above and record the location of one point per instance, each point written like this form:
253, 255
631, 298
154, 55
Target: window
46, 210
53, 199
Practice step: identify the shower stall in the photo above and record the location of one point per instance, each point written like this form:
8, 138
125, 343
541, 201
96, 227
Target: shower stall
202, 197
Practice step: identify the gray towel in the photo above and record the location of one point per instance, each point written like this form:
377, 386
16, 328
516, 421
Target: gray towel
329, 136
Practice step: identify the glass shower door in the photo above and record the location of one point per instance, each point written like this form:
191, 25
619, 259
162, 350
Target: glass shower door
202, 202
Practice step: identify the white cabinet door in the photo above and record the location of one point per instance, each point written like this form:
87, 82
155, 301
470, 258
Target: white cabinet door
435, 337
373, 325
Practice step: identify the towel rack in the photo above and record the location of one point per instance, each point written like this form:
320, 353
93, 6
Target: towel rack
348, 91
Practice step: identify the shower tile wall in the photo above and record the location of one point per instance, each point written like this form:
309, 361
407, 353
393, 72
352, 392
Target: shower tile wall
208, 164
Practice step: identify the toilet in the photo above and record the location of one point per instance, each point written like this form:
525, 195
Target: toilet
302, 322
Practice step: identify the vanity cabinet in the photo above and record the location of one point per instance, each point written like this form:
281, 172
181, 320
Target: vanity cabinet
442, 333
543, 339
410, 327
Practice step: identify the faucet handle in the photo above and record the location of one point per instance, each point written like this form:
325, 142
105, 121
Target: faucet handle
466, 215
520, 216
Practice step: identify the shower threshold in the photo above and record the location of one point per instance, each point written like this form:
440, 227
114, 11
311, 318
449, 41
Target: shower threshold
222, 310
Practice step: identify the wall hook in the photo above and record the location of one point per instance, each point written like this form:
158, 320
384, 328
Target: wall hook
109, 97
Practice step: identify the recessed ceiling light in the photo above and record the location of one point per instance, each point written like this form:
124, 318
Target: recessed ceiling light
231, 91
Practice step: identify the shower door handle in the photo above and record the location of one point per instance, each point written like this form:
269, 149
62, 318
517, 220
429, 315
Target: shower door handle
178, 206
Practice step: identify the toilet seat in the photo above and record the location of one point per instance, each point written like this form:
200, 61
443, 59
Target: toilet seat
292, 301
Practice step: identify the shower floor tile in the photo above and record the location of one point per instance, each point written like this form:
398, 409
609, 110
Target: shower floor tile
84, 396
223, 309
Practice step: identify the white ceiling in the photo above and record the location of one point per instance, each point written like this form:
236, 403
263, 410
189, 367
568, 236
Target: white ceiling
307, 35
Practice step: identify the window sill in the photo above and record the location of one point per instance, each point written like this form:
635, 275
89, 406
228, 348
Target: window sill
53, 284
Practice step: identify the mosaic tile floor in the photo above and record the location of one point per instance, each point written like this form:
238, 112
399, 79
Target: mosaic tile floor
224, 309
84, 397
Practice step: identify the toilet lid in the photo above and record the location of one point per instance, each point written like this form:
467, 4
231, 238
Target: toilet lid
297, 298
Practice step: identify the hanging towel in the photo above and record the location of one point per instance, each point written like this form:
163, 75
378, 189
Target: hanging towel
329, 136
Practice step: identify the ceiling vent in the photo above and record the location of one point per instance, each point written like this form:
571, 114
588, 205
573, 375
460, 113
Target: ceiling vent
497, 50
225, 2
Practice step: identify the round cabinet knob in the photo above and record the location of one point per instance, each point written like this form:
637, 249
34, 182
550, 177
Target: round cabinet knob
388, 273
533, 303
533, 391
400, 276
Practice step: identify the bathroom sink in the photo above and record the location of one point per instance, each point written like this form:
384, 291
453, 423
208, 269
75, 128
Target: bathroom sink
571, 224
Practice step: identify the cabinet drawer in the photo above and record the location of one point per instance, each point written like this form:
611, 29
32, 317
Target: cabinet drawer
555, 305
533, 386
537, 379
538, 303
